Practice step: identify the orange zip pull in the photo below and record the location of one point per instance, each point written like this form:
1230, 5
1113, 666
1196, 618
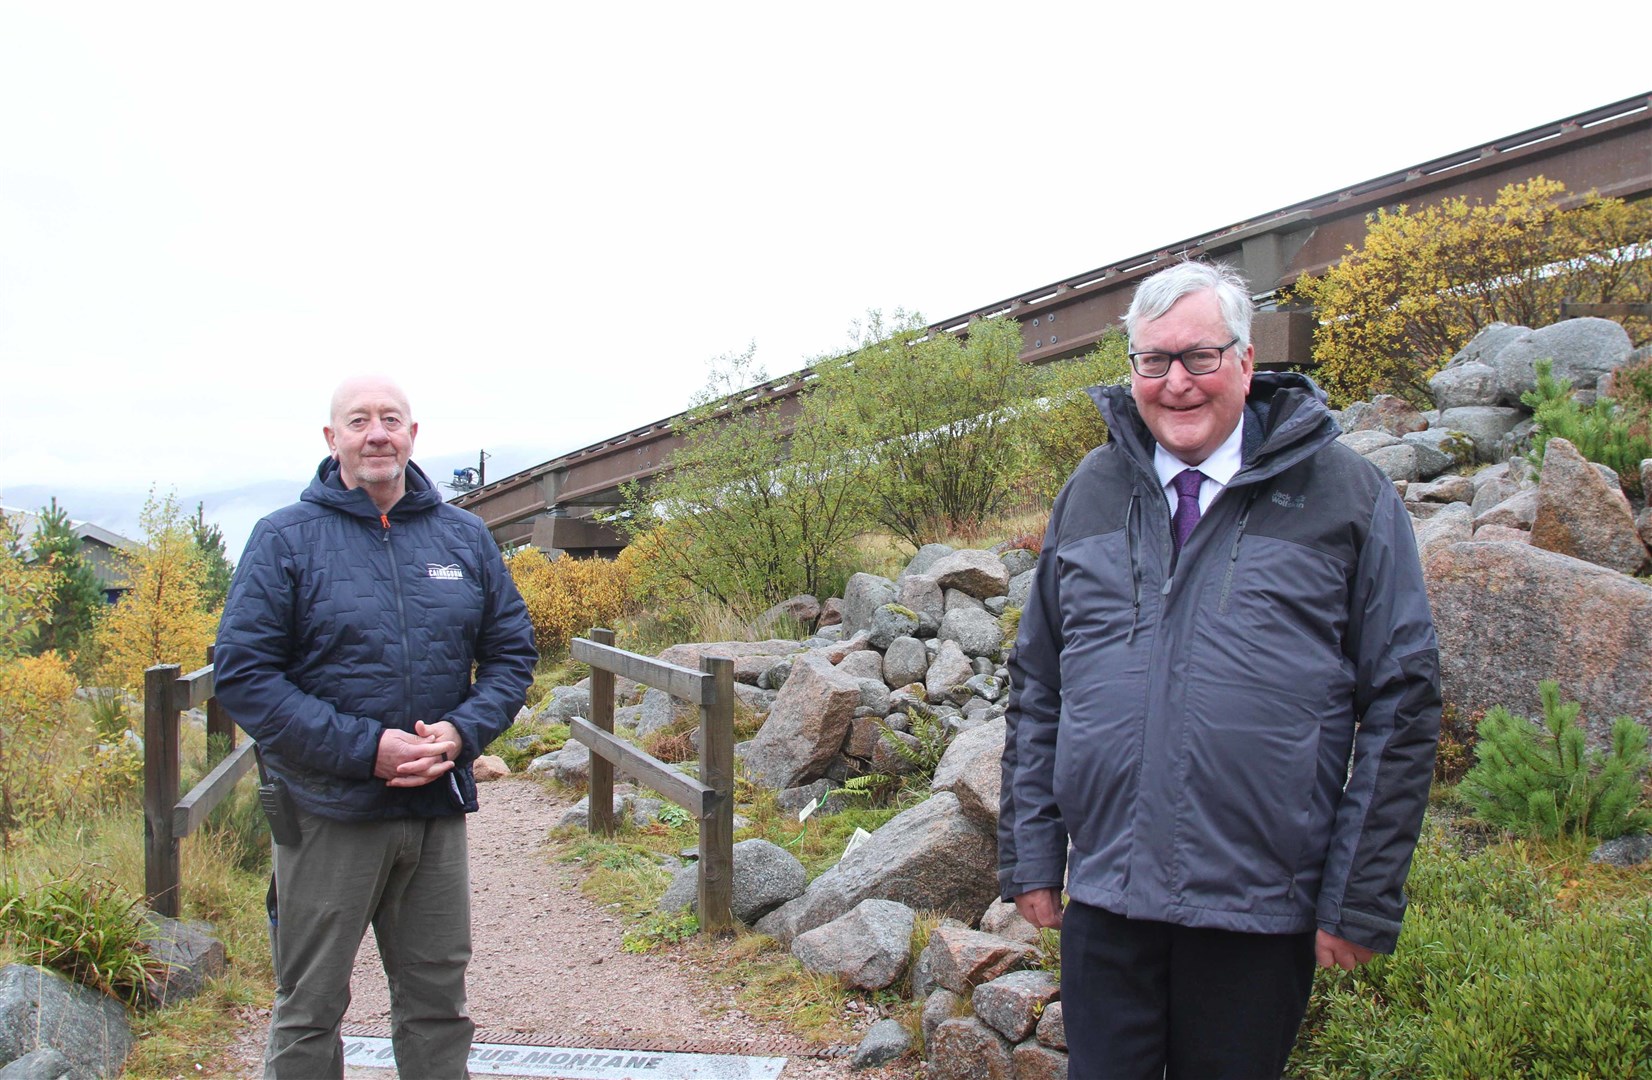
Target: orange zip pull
385, 518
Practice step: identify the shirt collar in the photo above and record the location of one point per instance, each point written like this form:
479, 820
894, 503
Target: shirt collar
1220, 466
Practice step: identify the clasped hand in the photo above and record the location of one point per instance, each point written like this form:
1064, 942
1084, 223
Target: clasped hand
412, 759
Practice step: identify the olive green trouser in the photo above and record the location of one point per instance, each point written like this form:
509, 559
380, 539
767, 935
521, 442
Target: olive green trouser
409, 879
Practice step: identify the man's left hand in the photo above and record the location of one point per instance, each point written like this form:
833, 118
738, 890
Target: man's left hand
417, 758
441, 732
443, 737
1332, 951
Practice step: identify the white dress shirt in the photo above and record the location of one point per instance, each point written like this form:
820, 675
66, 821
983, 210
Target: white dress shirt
1218, 468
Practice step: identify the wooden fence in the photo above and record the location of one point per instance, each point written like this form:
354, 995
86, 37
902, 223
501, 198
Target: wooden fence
167, 819
710, 799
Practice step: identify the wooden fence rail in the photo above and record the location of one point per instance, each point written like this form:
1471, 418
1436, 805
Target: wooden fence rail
167, 819
710, 798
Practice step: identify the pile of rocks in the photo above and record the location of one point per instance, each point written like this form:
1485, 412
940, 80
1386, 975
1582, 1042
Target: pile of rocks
928, 645
1544, 590
1479, 416
1528, 574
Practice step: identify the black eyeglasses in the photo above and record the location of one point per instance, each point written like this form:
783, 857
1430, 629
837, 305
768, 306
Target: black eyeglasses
1200, 361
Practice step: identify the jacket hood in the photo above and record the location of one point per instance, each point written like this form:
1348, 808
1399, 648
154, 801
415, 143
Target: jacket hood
1286, 419
327, 489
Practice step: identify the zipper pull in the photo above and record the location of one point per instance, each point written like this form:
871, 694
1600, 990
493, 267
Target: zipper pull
385, 520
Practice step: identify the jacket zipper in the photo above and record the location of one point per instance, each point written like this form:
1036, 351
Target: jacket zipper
1158, 637
401, 614
1135, 567
1233, 553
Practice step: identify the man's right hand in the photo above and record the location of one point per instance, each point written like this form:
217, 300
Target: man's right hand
1041, 907
409, 760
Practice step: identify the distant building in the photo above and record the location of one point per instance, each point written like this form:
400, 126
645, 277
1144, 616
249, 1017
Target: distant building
101, 547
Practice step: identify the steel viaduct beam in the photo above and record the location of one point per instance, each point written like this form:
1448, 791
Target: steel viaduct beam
1607, 151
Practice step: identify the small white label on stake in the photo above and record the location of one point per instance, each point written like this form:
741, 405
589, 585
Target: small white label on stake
855, 841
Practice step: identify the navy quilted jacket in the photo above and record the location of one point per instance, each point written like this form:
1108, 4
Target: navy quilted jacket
341, 623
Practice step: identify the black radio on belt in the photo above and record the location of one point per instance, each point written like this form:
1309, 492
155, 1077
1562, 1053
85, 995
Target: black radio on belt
278, 806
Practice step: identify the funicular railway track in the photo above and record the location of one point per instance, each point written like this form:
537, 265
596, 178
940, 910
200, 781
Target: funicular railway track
1607, 151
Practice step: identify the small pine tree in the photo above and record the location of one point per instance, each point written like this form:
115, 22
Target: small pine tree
1542, 779
215, 561
1603, 433
77, 600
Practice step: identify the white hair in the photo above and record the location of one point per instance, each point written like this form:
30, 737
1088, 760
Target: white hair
1157, 294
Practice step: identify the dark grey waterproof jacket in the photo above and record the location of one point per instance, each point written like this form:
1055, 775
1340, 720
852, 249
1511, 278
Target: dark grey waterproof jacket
341, 622
1189, 728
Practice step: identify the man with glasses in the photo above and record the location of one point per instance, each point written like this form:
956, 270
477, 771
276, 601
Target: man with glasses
1224, 705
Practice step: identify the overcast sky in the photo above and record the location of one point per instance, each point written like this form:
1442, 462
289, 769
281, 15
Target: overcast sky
546, 219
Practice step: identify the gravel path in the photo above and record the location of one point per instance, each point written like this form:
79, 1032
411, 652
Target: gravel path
548, 968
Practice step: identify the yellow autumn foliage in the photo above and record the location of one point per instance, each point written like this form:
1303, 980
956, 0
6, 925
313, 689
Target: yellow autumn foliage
1392, 312
160, 620
45, 740
567, 596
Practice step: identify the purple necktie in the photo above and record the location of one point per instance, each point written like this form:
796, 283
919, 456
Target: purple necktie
1187, 484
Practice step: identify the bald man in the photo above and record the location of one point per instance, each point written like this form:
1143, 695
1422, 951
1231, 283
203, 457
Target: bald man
347, 647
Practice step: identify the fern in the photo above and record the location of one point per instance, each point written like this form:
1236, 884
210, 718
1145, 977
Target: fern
924, 754
873, 787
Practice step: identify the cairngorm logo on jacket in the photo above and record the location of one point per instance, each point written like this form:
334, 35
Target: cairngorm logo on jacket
451, 572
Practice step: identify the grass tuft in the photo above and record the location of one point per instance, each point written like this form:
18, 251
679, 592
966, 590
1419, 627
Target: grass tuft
86, 928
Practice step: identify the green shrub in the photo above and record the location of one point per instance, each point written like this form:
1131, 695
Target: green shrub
85, 929
1544, 780
1632, 387
547, 739
760, 503
658, 930
937, 419
1605, 432
1494, 977
1064, 424
77, 598
109, 714
877, 788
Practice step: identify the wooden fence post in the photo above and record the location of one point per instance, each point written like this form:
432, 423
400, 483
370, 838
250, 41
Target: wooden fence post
218, 721
717, 772
160, 789
601, 785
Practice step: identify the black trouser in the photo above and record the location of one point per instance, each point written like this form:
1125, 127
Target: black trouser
1153, 1000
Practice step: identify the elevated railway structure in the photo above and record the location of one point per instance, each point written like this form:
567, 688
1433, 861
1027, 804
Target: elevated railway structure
1607, 151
